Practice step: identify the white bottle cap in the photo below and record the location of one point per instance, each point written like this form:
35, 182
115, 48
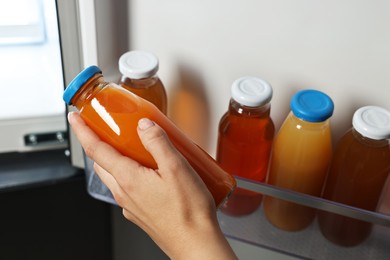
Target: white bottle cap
251, 91
138, 64
372, 122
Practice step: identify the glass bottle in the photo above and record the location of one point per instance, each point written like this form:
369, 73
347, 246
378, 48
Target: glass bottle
139, 75
300, 158
357, 175
245, 138
113, 112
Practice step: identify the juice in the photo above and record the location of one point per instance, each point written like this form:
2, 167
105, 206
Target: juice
302, 171
150, 89
113, 113
245, 145
357, 176
116, 122
245, 138
300, 158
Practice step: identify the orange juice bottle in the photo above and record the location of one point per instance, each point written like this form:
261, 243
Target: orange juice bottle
300, 158
113, 112
245, 136
357, 175
139, 75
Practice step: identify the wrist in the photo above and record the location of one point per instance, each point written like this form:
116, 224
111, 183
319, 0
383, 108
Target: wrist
203, 241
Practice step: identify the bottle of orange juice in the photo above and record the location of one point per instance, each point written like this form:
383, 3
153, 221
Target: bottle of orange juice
245, 136
357, 175
300, 158
113, 112
139, 75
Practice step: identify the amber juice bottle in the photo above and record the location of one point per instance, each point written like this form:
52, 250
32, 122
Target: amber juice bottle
139, 75
113, 112
245, 137
359, 170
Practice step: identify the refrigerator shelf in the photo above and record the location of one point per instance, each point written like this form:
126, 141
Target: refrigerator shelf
308, 243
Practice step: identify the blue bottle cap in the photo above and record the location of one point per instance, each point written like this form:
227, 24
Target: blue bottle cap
79, 81
312, 105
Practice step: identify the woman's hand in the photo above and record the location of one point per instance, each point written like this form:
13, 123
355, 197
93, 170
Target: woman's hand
171, 204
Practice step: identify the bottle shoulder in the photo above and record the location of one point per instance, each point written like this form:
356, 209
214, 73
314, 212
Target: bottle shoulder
239, 125
88, 90
233, 117
366, 141
355, 150
144, 83
298, 133
239, 110
294, 122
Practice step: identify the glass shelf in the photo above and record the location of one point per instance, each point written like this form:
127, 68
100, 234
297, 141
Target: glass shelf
308, 243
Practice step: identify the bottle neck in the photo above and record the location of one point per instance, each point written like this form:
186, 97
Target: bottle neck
307, 125
88, 90
260, 111
368, 141
140, 83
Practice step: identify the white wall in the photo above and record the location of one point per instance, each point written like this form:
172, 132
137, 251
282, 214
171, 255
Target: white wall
339, 47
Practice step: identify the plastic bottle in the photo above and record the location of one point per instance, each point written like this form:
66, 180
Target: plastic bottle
139, 75
357, 175
113, 113
300, 158
245, 137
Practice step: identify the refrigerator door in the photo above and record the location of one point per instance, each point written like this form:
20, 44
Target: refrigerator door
31, 78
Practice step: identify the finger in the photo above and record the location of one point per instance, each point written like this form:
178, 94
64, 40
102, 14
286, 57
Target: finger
102, 153
129, 215
121, 196
157, 143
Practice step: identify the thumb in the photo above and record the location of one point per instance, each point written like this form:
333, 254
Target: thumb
157, 143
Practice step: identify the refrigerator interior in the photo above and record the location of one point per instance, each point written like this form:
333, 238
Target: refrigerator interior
340, 48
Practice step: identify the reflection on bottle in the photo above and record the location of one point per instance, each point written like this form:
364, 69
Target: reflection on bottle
189, 108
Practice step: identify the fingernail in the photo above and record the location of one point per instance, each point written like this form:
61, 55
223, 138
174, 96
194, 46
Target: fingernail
70, 116
145, 123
